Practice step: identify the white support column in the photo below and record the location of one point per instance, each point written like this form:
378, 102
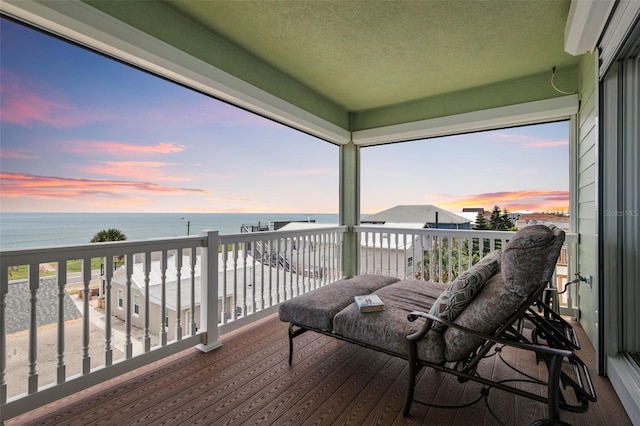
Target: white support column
350, 205
209, 315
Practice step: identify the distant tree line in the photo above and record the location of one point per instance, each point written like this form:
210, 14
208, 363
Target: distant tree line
499, 221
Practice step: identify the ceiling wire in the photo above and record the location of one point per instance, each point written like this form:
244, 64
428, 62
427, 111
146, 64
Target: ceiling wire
553, 73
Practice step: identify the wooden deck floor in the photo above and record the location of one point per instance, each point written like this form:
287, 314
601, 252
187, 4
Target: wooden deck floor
248, 381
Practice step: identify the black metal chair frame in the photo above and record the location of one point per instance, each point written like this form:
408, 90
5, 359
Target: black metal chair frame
559, 345
560, 342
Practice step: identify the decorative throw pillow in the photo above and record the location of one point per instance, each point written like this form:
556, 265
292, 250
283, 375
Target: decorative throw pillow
462, 290
525, 257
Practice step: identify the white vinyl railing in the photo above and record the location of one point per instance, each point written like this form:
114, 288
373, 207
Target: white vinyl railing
262, 269
443, 254
65, 332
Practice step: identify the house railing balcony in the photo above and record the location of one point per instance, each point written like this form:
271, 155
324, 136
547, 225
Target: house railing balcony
63, 331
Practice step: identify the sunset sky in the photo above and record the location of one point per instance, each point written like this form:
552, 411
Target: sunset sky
83, 133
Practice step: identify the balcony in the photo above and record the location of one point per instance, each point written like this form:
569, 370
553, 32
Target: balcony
248, 381
174, 295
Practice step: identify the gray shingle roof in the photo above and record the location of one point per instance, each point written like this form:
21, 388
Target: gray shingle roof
17, 312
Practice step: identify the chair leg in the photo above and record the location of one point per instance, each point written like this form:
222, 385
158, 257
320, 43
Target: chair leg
291, 336
406, 408
412, 373
554, 366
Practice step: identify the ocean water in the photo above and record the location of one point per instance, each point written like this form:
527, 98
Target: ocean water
32, 230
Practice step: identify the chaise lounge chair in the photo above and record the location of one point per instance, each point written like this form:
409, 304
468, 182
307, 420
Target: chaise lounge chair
485, 306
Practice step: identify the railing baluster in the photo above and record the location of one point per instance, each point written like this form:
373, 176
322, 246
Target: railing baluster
147, 273
432, 257
108, 341
262, 295
86, 330
253, 280
178, 335
225, 306
450, 260
128, 344
282, 263
277, 265
381, 253
194, 259
246, 283
34, 284
460, 256
397, 249
163, 299
61, 370
236, 303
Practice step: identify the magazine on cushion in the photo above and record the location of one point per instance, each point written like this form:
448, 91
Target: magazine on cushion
369, 303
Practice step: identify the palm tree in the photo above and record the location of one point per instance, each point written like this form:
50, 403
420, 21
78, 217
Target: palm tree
104, 236
110, 234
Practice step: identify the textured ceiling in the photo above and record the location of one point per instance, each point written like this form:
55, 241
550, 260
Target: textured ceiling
370, 54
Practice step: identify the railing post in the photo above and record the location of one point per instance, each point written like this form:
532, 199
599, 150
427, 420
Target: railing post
209, 314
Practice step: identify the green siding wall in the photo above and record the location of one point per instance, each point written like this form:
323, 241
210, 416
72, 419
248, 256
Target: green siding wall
587, 190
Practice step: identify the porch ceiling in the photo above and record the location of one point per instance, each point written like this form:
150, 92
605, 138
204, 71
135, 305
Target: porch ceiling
364, 55
354, 65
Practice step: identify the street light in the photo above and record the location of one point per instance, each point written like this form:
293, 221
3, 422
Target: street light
188, 225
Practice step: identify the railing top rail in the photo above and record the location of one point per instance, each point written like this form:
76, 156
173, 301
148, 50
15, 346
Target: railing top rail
112, 248
272, 235
439, 232
464, 233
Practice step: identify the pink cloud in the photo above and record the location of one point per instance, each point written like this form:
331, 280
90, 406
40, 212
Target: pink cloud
18, 153
149, 170
15, 185
536, 200
111, 147
22, 106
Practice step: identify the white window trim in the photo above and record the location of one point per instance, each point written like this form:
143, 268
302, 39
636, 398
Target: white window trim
120, 302
560, 108
136, 297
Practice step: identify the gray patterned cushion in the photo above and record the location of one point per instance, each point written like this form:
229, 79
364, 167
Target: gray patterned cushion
554, 252
463, 289
387, 329
490, 308
530, 254
317, 308
525, 257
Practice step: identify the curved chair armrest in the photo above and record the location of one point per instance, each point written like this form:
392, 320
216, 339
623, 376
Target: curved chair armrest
526, 346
